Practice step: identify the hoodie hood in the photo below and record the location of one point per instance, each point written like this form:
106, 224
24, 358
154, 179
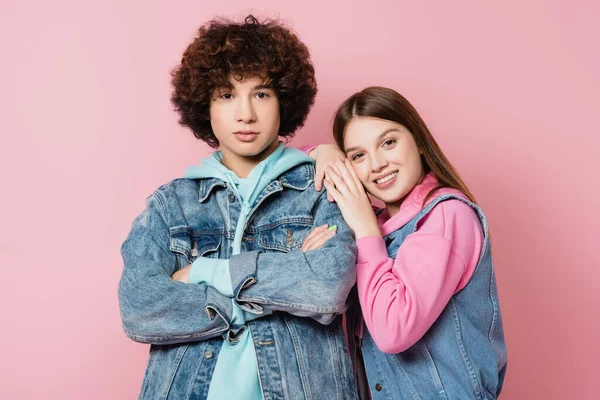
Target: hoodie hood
248, 189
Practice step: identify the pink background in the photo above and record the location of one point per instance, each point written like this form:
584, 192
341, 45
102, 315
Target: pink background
510, 90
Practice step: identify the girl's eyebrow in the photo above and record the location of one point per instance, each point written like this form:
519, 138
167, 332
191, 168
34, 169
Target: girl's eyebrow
381, 135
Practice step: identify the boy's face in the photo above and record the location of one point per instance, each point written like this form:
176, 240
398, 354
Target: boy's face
245, 120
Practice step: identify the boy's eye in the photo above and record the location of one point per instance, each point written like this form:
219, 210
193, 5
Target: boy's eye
262, 95
226, 96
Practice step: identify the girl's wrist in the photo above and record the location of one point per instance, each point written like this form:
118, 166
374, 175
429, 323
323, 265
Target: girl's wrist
312, 153
367, 231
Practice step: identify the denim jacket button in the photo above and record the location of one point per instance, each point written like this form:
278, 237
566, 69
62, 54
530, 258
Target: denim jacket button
378, 387
208, 354
231, 197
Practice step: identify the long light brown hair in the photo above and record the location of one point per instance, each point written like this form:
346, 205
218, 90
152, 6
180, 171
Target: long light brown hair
387, 104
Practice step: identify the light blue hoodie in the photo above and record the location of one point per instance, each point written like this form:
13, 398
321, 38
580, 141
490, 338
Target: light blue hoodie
236, 375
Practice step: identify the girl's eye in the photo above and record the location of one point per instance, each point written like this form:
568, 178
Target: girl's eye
356, 156
388, 142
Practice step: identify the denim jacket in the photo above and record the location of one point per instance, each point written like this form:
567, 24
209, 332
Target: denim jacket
463, 354
300, 348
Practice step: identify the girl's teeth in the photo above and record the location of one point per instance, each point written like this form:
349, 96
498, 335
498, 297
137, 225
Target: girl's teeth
387, 178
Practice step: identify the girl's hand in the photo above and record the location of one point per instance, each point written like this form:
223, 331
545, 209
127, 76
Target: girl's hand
348, 192
318, 236
324, 155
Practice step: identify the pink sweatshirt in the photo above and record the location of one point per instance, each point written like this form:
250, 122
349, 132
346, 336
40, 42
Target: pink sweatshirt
402, 298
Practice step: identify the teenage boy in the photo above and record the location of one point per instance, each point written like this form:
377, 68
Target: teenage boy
236, 274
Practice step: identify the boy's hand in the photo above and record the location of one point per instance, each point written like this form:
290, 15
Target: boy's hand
183, 275
324, 155
318, 236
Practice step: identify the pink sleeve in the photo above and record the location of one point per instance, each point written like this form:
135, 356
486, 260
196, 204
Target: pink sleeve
307, 148
402, 298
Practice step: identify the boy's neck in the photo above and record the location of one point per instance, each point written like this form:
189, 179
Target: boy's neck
243, 165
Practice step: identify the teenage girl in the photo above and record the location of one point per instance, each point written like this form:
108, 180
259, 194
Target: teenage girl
425, 277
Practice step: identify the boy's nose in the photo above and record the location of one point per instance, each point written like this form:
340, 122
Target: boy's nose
245, 112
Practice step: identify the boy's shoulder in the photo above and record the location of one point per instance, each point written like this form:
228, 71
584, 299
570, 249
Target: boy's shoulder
176, 190
299, 177
176, 185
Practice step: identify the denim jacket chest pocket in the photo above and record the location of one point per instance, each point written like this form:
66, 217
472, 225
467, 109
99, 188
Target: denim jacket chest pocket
285, 235
189, 244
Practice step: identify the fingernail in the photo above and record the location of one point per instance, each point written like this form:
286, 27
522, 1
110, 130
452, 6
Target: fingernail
333, 227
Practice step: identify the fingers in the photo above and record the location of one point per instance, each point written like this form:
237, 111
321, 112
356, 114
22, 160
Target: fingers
331, 190
315, 232
319, 176
183, 275
324, 155
337, 180
354, 176
319, 239
320, 171
344, 171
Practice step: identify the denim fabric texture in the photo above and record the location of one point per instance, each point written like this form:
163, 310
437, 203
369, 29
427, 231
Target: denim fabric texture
463, 354
300, 348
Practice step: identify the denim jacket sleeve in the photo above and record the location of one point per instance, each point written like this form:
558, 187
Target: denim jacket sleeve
154, 308
314, 284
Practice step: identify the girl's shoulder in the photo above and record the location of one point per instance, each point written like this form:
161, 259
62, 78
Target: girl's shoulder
451, 218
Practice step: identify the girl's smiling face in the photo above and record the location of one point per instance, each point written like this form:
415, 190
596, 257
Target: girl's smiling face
386, 158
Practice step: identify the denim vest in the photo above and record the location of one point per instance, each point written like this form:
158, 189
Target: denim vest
300, 348
463, 354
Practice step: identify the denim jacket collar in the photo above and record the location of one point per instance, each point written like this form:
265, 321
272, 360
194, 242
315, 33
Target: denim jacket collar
298, 178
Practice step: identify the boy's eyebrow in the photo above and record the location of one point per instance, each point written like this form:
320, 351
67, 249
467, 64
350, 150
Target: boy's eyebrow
381, 135
263, 86
225, 86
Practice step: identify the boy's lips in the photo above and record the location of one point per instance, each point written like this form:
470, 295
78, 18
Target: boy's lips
246, 136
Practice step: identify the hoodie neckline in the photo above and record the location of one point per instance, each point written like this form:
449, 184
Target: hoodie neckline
413, 204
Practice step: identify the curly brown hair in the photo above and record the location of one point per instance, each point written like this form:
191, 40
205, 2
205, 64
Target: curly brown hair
225, 49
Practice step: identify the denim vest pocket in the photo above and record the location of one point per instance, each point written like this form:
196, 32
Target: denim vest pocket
419, 372
432, 368
190, 246
284, 237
